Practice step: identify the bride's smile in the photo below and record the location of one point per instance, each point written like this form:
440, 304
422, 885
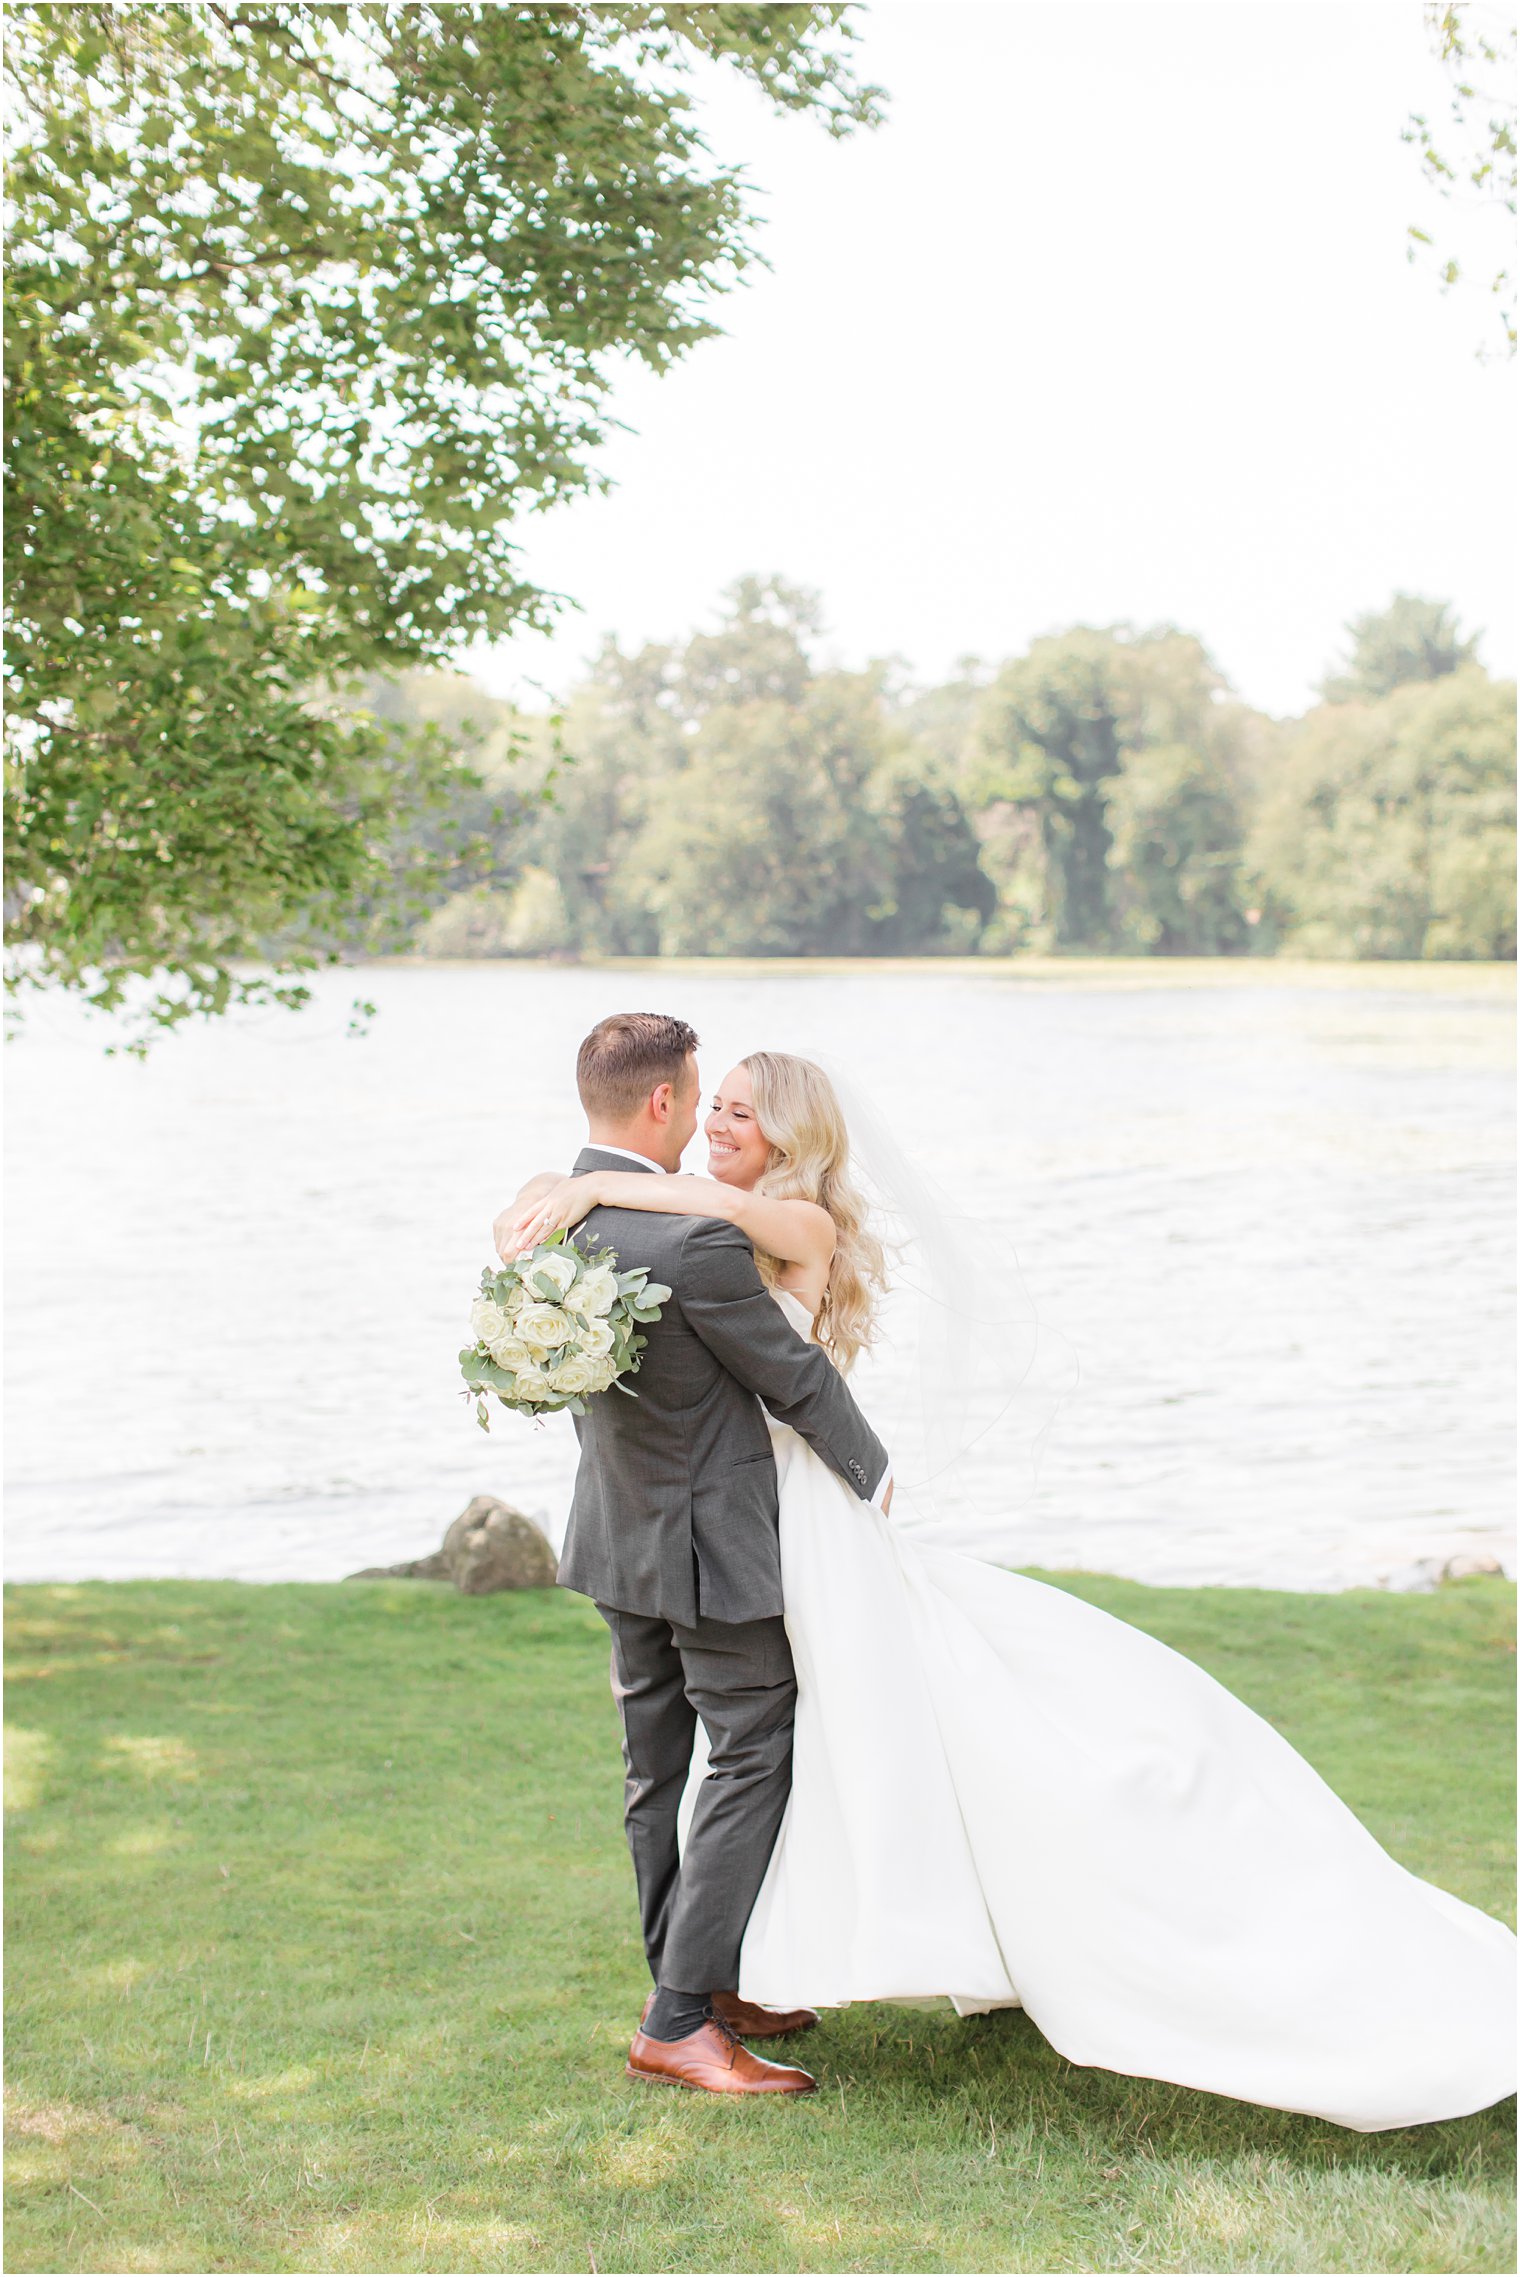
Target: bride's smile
737, 1153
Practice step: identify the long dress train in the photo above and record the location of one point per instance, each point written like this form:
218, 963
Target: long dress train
1004, 1797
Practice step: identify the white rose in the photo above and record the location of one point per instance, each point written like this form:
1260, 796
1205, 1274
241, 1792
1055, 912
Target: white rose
555, 1267
572, 1375
487, 1320
544, 1326
595, 1339
531, 1384
514, 1300
604, 1374
510, 1352
596, 1292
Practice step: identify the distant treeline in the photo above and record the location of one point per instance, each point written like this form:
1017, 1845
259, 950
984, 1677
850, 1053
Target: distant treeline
1105, 791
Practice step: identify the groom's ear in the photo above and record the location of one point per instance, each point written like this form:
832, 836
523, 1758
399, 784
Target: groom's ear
667, 1098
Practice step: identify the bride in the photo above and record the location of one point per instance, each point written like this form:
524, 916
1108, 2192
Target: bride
1004, 1797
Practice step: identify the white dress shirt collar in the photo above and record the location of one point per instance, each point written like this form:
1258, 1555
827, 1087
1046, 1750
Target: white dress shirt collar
601, 1147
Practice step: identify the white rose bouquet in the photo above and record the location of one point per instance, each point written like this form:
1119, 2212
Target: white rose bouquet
554, 1327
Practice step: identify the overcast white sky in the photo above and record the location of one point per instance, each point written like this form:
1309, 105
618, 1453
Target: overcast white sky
1111, 320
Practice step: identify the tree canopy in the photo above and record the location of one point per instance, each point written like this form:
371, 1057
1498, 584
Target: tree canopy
308, 305
1104, 791
730, 796
1389, 828
1411, 639
1117, 761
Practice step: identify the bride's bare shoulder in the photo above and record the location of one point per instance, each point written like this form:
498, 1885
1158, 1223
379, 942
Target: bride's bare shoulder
819, 1223
801, 1232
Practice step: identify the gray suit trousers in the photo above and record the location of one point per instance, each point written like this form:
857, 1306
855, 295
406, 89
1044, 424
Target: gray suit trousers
738, 1677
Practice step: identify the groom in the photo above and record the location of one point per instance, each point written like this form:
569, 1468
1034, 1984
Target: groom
673, 1532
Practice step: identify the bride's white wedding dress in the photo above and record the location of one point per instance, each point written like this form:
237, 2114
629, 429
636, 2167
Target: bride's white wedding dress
1004, 1797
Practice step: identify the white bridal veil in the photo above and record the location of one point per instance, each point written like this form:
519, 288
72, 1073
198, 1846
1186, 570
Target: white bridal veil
965, 1379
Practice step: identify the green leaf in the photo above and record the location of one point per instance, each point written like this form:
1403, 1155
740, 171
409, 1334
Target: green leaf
397, 253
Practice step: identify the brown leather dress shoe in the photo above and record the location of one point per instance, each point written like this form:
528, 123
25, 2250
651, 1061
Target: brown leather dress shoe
713, 2059
752, 2022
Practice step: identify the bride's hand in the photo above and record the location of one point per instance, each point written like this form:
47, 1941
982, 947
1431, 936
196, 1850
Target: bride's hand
524, 1227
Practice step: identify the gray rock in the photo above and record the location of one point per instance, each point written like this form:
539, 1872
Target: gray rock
489, 1546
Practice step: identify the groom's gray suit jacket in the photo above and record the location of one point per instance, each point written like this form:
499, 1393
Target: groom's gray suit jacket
675, 1509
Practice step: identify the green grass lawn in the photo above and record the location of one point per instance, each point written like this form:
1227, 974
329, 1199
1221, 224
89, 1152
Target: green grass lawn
323, 1956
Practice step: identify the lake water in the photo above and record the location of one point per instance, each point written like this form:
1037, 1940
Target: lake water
1268, 1208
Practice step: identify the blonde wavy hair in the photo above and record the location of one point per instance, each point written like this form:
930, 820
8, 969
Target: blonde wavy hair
799, 1115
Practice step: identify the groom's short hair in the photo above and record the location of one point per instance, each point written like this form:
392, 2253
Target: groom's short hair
628, 1055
